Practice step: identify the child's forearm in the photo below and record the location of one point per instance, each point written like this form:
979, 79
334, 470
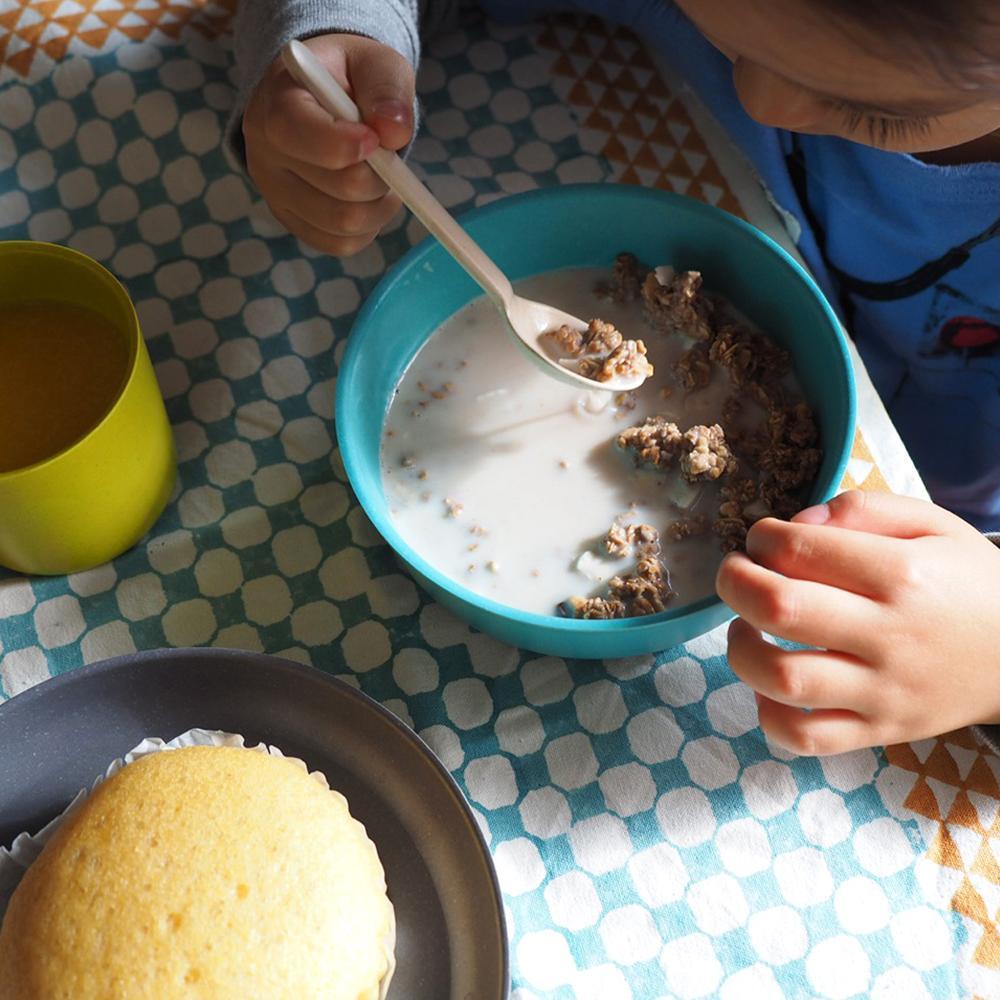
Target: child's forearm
991, 733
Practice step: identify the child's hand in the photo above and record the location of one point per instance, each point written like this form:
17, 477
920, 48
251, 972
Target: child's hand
903, 600
308, 167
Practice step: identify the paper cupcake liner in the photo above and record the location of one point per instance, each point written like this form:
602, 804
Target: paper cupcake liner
15, 860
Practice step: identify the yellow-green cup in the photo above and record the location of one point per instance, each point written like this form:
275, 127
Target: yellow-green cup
97, 497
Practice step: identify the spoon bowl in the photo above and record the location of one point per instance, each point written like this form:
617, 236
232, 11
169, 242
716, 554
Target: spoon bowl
527, 321
531, 320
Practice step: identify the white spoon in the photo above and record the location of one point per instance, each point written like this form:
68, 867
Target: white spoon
528, 320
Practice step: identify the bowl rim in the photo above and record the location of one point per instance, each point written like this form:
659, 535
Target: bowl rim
572, 192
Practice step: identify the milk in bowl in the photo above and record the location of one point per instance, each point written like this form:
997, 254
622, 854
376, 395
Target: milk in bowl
558, 501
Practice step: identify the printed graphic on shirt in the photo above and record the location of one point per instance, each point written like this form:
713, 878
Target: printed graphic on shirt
924, 277
960, 342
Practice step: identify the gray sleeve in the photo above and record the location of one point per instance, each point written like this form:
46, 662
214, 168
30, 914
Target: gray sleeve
262, 27
990, 734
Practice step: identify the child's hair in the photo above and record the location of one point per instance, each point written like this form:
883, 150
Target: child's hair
961, 37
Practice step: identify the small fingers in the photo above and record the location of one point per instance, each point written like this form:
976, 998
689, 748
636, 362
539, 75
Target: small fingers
799, 610
357, 182
851, 560
318, 239
801, 678
331, 215
287, 122
814, 734
882, 514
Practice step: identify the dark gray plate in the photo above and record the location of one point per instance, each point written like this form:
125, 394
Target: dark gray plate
57, 737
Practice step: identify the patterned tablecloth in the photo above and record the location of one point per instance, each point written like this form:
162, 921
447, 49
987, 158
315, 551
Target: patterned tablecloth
649, 841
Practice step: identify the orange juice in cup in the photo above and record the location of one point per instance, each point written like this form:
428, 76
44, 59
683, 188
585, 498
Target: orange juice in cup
87, 459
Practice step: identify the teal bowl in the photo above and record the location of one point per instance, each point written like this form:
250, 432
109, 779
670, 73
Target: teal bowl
586, 225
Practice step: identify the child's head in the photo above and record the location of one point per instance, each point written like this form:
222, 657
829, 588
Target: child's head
905, 75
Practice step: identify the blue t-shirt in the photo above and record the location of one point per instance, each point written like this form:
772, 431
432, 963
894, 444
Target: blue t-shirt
908, 252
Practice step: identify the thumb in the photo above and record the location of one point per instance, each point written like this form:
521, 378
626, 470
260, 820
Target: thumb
383, 86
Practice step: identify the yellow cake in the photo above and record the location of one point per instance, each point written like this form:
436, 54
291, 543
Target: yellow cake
203, 872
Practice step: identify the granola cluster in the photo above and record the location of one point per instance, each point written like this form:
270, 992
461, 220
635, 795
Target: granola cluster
625, 361
750, 358
782, 448
604, 354
694, 367
622, 539
627, 276
687, 527
676, 305
763, 452
707, 455
701, 452
655, 443
645, 591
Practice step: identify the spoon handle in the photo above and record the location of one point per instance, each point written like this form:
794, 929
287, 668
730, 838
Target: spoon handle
310, 73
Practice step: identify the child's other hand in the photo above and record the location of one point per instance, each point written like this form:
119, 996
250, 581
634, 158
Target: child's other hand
903, 599
310, 168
